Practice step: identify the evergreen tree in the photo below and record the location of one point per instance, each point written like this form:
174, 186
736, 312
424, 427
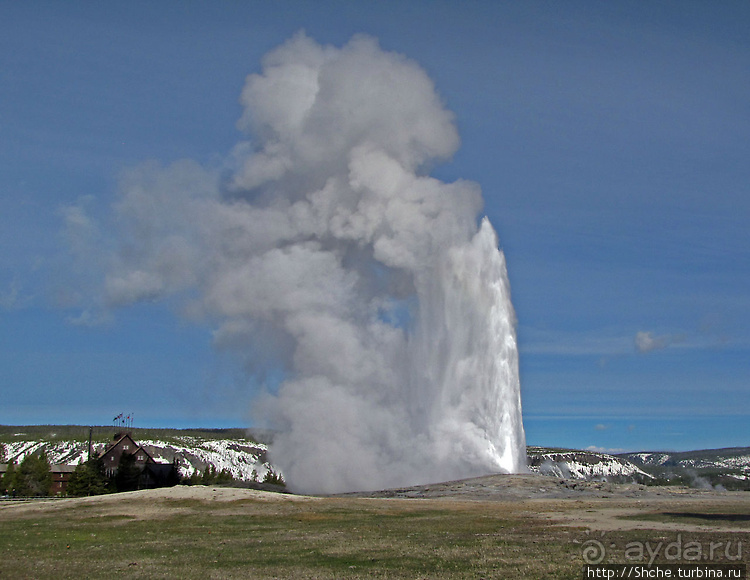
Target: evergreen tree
33, 477
274, 478
8, 483
224, 477
209, 475
174, 476
88, 479
128, 473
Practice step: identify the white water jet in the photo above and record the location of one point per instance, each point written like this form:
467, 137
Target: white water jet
465, 359
450, 405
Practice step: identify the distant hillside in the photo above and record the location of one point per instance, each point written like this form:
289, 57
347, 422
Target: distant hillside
243, 453
728, 468
707, 468
577, 464
240, 452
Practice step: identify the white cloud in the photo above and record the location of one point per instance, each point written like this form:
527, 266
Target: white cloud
647, 342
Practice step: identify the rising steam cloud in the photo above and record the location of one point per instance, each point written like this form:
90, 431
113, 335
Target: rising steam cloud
324, 251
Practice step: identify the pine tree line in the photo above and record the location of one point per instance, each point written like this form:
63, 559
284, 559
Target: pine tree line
32, 478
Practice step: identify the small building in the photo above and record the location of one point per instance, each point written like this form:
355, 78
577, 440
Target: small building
124, 443
60, 476
153, 473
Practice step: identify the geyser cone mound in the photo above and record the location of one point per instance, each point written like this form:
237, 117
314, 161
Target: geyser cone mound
333, 263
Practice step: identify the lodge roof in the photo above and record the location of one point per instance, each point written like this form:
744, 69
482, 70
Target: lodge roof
54, 468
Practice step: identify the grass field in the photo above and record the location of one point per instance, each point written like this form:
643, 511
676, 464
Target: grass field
224, 534
328, 538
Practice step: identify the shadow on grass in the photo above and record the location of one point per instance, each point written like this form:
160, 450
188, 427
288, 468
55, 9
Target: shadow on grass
709, 517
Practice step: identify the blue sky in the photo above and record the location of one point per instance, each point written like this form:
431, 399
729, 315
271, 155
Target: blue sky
610, 141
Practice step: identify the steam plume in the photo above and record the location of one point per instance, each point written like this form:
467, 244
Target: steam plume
323, 250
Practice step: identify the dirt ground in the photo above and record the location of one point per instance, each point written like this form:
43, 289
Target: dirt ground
596, 506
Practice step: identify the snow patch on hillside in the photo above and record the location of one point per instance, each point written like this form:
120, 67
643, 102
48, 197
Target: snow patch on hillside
650, 458
698, 460
735, 462
582, 465
244, 459
64, 452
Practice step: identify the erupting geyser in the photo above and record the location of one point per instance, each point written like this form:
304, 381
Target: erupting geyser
324, 252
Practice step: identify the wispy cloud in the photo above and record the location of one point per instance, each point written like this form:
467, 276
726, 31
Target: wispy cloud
649, 342
594, 343
14, 298
608, 343
611, 450
80, 231
90, 318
